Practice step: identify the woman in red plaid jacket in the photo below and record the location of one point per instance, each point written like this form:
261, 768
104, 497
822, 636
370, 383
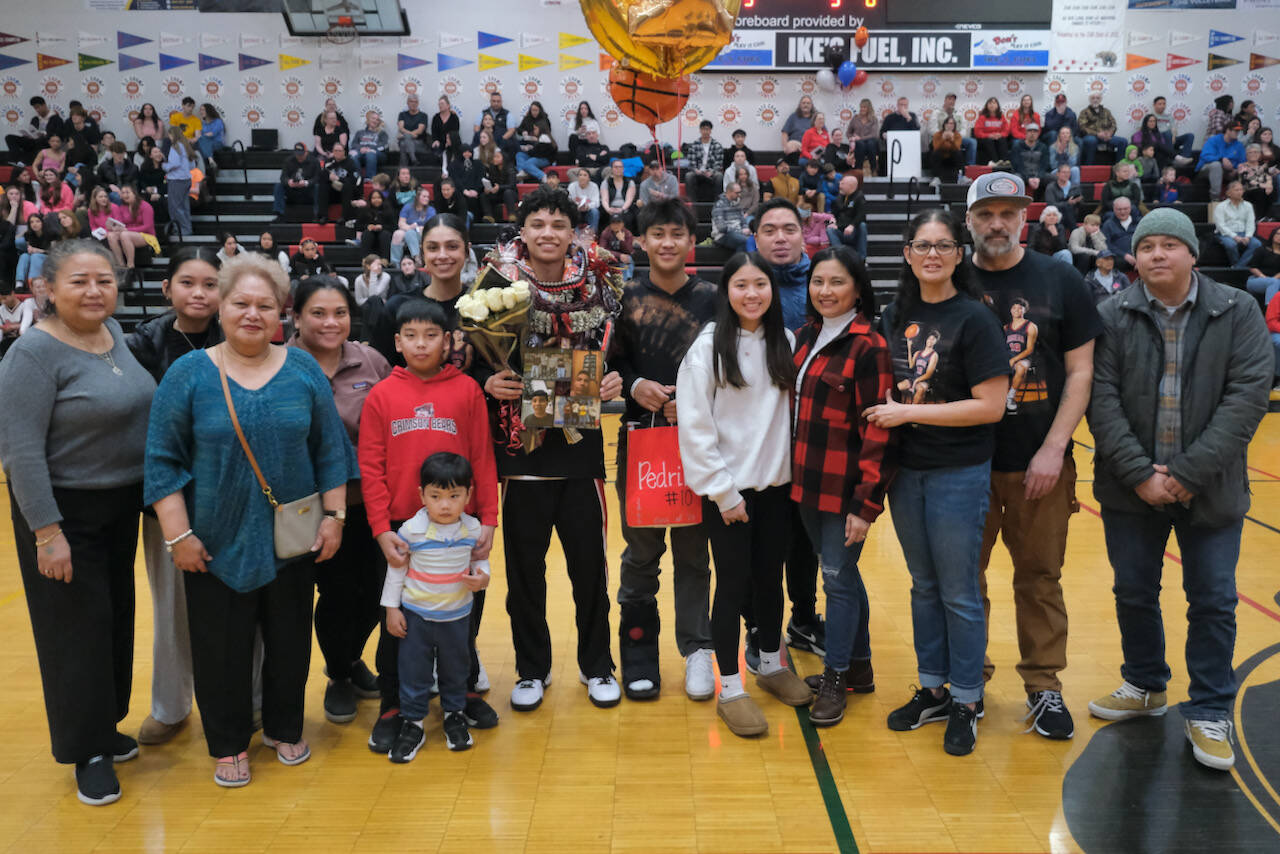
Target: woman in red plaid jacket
840, 463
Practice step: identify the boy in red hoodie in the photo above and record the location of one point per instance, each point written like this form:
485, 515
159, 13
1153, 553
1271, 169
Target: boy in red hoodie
424, 408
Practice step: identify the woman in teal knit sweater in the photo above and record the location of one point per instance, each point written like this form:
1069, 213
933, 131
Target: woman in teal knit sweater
219, 525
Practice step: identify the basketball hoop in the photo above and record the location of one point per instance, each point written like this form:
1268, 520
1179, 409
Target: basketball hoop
340, 33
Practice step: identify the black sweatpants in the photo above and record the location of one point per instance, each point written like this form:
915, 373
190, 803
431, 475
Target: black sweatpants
84, 630
350, 585
223, 624
575, 508
801, 574
748, 558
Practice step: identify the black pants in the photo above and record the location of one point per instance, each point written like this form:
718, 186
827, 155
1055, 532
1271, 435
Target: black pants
748, 558
376, 242
801, 574
326, 195
387, 658
702, 187
24, 149
350, 585
490, 202
946, 165
993, 148
223, 624
84, 630
575, 509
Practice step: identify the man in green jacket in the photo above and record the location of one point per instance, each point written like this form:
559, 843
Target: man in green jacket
1180, 384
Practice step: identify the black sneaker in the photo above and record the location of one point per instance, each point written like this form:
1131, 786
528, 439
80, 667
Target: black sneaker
124, 747
408, 742
924, 708
962, 730
810, 637
478, 713
340, 701
752, 651
1049, 715
96, 782
385, 730
456, 734
364, 682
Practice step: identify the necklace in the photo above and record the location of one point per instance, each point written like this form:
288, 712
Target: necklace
105, 357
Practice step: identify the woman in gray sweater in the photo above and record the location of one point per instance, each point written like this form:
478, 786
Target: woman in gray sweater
72, 436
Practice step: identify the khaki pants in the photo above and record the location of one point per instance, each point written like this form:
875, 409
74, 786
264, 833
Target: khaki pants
1035, 532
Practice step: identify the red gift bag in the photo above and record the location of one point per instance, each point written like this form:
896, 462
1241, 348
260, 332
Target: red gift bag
656, 494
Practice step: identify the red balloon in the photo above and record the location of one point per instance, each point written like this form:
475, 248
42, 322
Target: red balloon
649, 100
860, 77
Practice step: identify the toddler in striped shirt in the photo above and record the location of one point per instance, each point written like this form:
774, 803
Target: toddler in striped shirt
428, 604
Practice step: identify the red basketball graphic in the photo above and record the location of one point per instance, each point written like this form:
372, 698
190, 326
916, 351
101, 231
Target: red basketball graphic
133, 115
768, 115
768, 87
410, 88
970, 115
808, 86
971, 86
212, 88
292, 88
531, 87
92, 88
886, 86
649, 100
52, 86
253, 116
729, 88
846, 115
912, 330
293, 117
251, 88
12, 116
370, 88
331, 87
95, 114
1013, 87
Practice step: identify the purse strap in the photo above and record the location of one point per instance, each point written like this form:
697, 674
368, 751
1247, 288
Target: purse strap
244, 443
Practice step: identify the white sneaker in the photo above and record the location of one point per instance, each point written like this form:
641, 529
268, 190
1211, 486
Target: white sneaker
603, 690
527, 695
699, 678
482, 680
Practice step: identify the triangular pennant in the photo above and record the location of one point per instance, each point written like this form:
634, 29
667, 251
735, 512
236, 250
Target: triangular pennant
567, 62
126, 40
207, 61
1260, 37
448, 40
444, 62
7, 39
1216, 61
527, 62
1136, 38
1133, 60
291, 41
532, 40
487, 40
44, 61
172, 40
404, 62
410, 42
128, 63
1257, 60
1177, 37
86, 62
11, 62
568, 40
248, 40
605, 62
49, 38
1172, 61
208, 40
486, 62
91, 39
167, 62
1217, 38
287, 62
369, 62
247, 62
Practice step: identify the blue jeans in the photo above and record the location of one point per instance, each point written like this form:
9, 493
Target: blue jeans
867, 149
206, 147
368, 163
858, 240
30, 265
412, 243
180, 204
1088, 150
969, 146
848, 611
591, 218
1135, 547
1235, 255
1265, 287
1064, 255
939, 516
532, 165
734, 241
1182, 145
282, 194
447, 646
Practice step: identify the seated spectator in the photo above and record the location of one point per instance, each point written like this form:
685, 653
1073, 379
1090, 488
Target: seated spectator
331, 134
948, 111
143, 154
55, 194
536, 147
213, 133
739, 162
340, 177
317, 127
449, 200
408, 233
376, 222
499, 185
1063, 151
946, 157
1148, 171
989, 131
407, 278
1059, 116
659, 186
900, 119
748, 190
815, 139
53, 157
619, 242
187, 119
116, 171
583, 122
369, 145
1148, 134
1086, 241
15, 317
796, 124
98, 212
151, 180
504, 136
268, 248
44, 123
484, 141
412, 125
299, 183
1248, 112
739, 144
830, 184
811, 196
702, 159
1103, 280
618, 195
1120, 185
104, 148
1179, 144
1118, 228
1169, 187
1030, 158
1264, 274
781, 185
1133, 159
137, 227
728, 221
39, 240
228, 246
404, 188
373, 281
1234, 225
1064, 194
837, 153
1220, 116
446, 132
1097, 127
82, 139
586, 196
593, 155
849, 210
148, 124
1025, 115
1259, 183
863, 134
1049, 236
552, 181
468, 174
308, 262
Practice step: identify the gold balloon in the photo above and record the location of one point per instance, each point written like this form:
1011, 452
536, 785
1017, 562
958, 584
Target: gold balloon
663, 38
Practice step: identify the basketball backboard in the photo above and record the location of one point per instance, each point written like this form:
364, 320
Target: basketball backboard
322, 18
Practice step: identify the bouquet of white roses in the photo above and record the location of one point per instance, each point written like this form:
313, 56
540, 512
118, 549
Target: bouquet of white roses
494, 315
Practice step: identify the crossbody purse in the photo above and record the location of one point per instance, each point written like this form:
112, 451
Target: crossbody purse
296, 523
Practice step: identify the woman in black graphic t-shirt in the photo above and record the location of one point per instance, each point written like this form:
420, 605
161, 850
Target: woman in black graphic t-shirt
943, 337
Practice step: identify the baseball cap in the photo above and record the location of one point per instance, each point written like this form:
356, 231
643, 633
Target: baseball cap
299, 146
1106, 253
998, 185
1031, 126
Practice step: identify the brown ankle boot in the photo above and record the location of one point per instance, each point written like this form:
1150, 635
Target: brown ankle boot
860, 678
828, 706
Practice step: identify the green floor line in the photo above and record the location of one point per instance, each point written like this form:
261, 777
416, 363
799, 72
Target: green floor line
826, 783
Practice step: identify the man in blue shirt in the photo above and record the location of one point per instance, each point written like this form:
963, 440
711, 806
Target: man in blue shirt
1221, 154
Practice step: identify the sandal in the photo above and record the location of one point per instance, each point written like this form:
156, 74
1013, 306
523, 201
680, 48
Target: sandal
289, 753
232, 772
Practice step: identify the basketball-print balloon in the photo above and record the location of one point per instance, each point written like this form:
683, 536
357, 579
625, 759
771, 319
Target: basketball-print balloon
649, 100
860, 36
665, 38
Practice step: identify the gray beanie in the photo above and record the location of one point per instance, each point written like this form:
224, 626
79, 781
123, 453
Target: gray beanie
1170, 222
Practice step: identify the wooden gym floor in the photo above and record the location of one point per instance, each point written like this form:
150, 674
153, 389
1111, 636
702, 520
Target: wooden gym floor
666, 776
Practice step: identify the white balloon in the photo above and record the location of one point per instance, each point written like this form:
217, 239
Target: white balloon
826, 79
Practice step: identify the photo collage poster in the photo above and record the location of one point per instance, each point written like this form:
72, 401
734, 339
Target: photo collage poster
561, 388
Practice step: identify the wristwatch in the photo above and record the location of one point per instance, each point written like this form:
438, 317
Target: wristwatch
340, 515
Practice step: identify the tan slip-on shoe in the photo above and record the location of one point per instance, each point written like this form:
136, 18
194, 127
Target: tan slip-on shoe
742, 716
786, 686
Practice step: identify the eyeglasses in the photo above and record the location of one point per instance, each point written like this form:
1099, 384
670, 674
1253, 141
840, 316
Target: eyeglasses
924, 247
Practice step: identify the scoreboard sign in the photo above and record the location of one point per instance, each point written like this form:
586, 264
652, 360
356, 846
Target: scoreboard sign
884, 50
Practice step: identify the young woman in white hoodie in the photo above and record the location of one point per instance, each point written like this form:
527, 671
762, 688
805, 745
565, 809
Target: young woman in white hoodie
733, 391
